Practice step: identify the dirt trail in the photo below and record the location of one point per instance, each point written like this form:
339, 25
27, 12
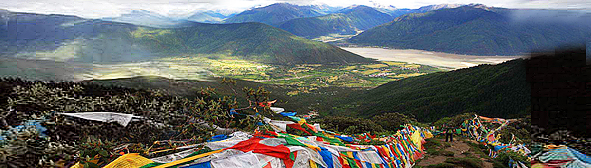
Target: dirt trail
431, 160
459, 149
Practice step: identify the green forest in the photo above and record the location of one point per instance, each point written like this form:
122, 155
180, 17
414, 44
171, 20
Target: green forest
490, 90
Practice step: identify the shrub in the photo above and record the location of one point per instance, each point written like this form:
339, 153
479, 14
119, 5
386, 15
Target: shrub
455, 121
349, 125
505, 156
69, 140
392, 121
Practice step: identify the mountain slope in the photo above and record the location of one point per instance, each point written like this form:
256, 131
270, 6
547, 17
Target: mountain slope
477, 30
491, 90
61, 37
347, 21
207, 17
395, 12
274, 14
255, 41
147, 18
428, 8
70, 38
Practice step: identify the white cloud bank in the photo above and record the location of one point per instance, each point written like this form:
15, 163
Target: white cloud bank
110, 8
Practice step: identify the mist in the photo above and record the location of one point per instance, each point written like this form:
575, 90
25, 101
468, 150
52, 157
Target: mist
581, 17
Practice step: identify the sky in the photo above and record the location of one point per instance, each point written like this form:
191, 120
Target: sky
113, 8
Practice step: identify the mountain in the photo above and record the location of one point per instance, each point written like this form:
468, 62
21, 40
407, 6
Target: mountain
275, 14
325, 9
350, 20
73, 39
147, 18
491, 90
346, 21
395, 12
436, 7
208, 17
480, 30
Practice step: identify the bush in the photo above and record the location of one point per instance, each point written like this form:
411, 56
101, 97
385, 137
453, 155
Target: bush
68, 139
455, 121
505, 156
392, 121
520, 128
349, 125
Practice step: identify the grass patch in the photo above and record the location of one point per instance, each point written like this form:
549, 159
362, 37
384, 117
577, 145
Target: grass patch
433, 151
446, 144
392, 63
478, 149
408, 75
371, 71
467, 162
376, 66
432, 142
442, 165
468, 154
446, 153
412, 66
350, 68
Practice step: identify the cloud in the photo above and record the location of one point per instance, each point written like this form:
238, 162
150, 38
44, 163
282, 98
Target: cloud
110, 8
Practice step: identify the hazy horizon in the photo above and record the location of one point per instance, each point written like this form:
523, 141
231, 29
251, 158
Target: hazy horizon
114, 8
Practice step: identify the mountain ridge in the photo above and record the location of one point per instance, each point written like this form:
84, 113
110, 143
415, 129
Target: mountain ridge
474, 30
71, 38
346, 21
150, 19
274, 14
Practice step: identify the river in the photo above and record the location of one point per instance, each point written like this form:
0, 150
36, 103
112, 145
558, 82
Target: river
437, 59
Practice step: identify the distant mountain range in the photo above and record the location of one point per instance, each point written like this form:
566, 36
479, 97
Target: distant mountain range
346, 21
278, 13
350, 20
151, 19
480, 30
208, 17
395, 12
71, 38
307, 21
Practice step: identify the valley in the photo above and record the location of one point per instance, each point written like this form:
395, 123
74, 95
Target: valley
309, 75
205, 67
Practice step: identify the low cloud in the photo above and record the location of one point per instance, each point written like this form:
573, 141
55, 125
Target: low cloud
112, 8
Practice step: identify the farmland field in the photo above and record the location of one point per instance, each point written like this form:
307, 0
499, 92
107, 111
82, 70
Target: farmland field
307, 77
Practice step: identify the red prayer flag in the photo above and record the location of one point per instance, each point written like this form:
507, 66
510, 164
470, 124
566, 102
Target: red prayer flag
298, 127
279, 151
